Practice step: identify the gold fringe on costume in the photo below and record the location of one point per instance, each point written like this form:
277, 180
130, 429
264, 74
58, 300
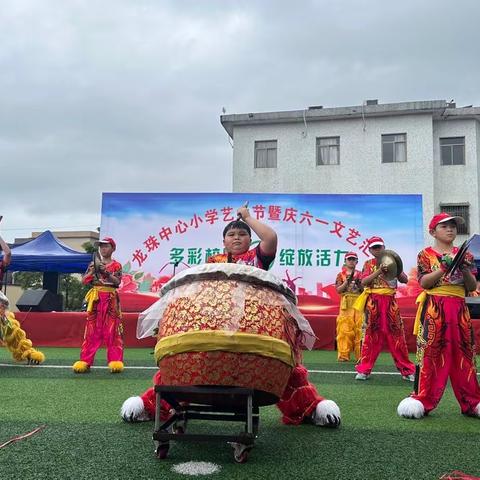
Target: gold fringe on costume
17, 342
115, 366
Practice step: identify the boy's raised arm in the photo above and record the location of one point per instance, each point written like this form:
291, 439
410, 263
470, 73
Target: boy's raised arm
267, 236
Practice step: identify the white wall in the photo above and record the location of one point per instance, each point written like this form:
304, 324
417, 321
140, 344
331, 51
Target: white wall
361, 169
457, 183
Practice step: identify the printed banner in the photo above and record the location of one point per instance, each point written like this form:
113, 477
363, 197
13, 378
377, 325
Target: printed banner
158, 234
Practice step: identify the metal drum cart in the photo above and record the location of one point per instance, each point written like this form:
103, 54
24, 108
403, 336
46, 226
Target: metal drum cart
228, 339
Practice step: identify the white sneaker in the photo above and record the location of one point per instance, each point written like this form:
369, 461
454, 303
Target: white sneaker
410, 378
361, 376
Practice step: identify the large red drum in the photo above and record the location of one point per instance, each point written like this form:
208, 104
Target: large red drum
230, 325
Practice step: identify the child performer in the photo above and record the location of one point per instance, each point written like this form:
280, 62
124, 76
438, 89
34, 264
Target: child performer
103, 311
300, 402
382, 316
349, 320
445, 341
14, 338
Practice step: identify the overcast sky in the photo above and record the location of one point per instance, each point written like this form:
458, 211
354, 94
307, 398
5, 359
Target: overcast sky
126, 95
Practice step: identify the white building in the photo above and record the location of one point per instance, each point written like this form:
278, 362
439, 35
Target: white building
430, 148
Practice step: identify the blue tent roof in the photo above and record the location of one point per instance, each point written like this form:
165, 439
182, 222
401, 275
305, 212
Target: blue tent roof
46, 254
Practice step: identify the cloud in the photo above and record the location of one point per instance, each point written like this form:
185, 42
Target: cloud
126, 96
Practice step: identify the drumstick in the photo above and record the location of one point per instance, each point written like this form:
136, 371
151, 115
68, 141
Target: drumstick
245, 205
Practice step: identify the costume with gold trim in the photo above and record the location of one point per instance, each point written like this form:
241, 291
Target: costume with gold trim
104, 322
349, 321
445, 339
383, 322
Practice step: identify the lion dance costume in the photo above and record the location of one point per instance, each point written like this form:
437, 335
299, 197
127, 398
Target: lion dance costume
15, 339
349, 321
103, 323
445, 343
383, 322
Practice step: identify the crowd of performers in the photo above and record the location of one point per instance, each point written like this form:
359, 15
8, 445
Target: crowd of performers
369, 316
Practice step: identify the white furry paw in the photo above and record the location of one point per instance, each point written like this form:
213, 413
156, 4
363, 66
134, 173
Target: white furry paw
411, 408
326, 414
133, 410
477, 410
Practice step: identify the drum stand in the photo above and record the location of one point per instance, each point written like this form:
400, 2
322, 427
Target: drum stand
232, 404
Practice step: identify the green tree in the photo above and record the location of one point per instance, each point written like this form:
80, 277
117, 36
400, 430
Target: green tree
28, 279
73, 292
89, 247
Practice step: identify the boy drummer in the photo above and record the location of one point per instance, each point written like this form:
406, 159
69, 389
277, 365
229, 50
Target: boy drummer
300, 402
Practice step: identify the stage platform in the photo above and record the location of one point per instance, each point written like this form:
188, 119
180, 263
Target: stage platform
65, 329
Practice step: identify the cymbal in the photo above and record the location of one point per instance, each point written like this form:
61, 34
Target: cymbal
393, 263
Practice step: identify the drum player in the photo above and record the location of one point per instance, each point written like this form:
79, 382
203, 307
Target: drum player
300, 402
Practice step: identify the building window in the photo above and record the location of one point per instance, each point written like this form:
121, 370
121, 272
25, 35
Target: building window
394, 148
452, 151
328, 150
458, 210
266, 154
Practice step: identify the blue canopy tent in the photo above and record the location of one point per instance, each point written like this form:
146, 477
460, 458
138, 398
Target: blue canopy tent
46, 254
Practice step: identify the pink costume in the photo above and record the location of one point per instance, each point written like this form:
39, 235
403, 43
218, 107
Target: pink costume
383, 322
103, 319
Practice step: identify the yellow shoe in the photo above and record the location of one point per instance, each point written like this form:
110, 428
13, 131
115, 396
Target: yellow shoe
115, 367
81, 367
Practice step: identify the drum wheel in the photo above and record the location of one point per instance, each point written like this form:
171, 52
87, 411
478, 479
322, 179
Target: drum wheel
179, 430
241, 452
162, 451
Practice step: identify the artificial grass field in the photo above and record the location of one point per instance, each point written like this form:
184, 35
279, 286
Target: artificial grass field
85, 437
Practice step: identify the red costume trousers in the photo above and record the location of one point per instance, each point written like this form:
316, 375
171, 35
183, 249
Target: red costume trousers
297, 403
446, 350
384, 323
103, 326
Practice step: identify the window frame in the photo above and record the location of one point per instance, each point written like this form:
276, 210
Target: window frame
450, 146
264, 149
394, 150
329, 148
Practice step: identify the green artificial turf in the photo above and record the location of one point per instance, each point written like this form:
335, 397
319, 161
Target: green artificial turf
85, 438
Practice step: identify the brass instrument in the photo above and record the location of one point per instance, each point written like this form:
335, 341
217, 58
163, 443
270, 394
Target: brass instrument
393, 263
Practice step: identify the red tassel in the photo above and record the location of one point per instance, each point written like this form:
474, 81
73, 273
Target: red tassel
458, 475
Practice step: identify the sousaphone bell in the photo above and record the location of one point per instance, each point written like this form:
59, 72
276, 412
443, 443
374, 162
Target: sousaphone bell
393, 263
